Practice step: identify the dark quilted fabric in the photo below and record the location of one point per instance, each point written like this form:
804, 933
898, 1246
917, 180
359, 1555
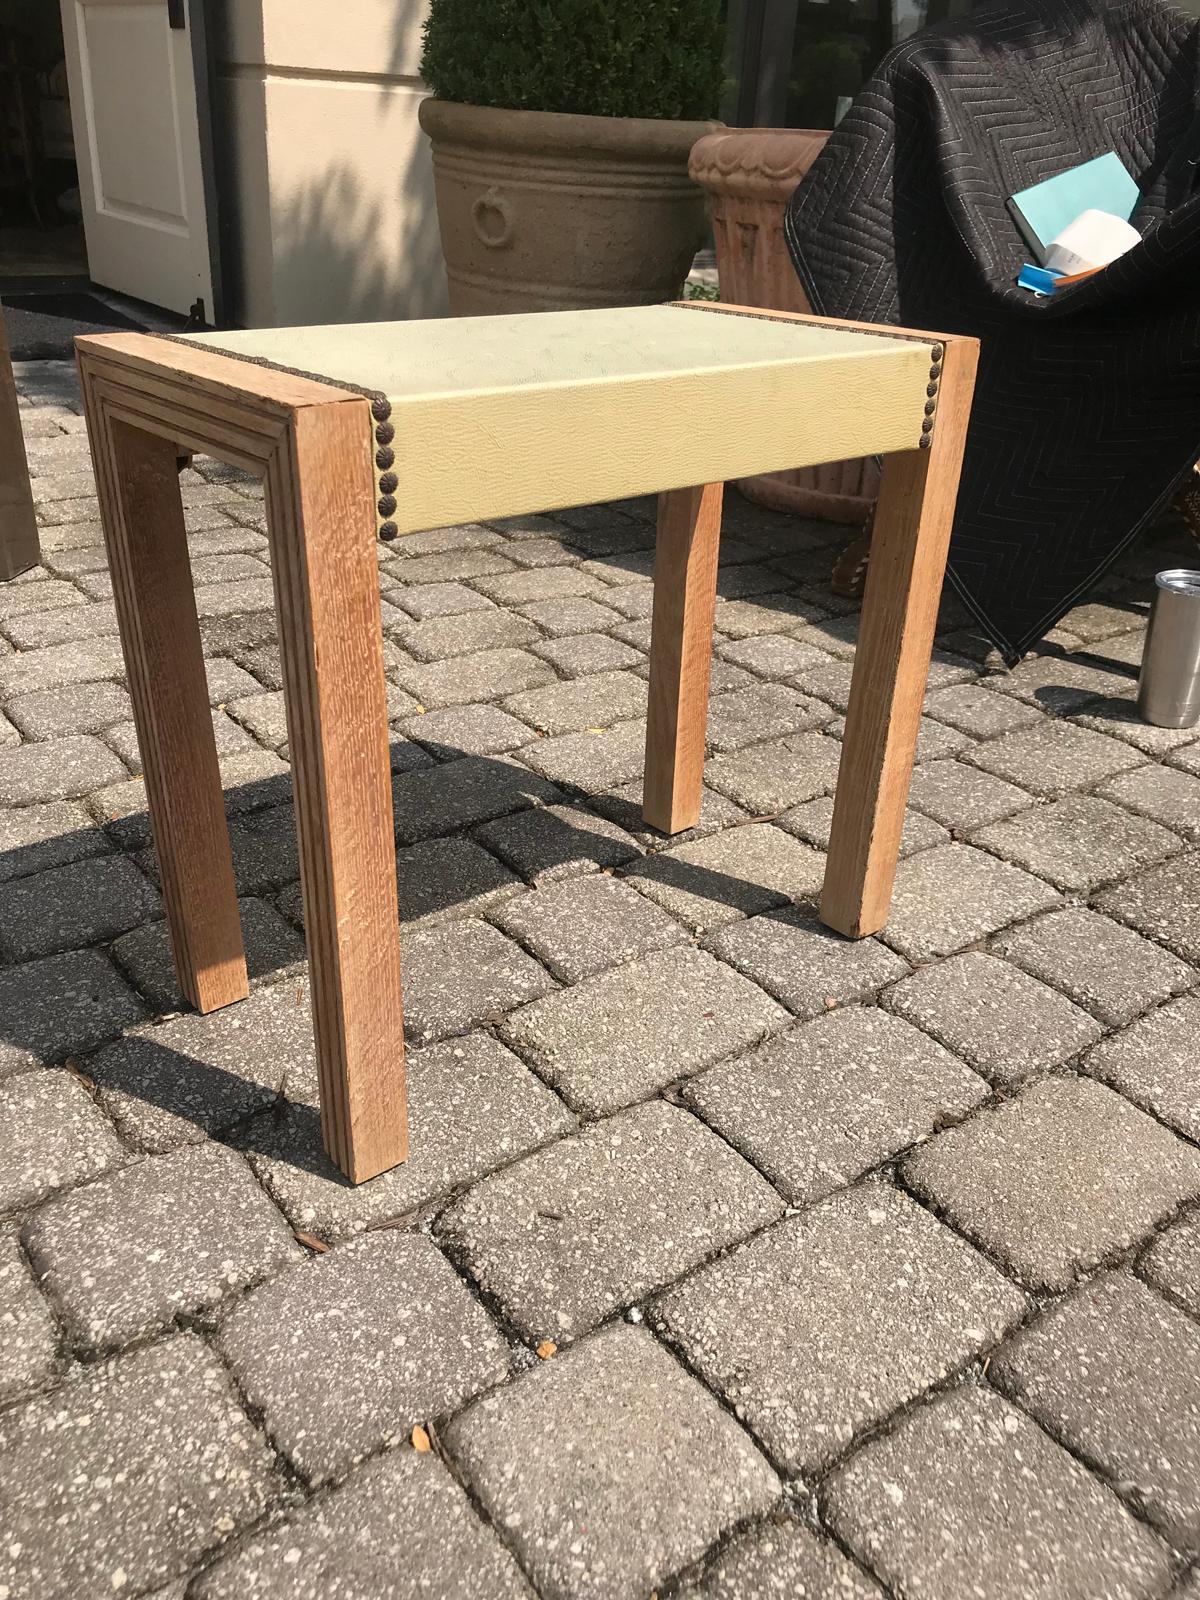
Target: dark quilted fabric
1087, 412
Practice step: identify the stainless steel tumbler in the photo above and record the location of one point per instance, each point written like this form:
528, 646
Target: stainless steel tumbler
1169, 687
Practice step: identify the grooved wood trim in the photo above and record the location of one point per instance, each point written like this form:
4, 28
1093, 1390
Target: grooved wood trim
319, 489
147, 401
142, 516
909, 545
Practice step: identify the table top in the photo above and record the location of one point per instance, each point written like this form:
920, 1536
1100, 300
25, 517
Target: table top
480, 417
417, 361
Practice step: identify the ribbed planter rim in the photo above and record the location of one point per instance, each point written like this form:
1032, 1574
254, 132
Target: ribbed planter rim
564, 132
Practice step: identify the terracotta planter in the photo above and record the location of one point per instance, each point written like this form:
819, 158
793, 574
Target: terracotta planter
541, 211
749, 175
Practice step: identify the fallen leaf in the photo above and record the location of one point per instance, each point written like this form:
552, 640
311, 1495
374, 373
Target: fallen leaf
420, 1440
546, 1349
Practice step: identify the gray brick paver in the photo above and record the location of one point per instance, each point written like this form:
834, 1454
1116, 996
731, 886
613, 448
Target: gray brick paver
163, 1238
398, 1526
623, 1035
468, 730
482, 675
720, 879
578, 655
1051, 758
1153, 1063
51, 1137
443, 799
184, 1079
824, 1325
57, 769
591, 761
782, 1561
75, 708
819, 1105
1103, 966
771, 777
1172, 1263
969, 1497
802, 963
66, 908
1113, 1372
60, 1006
1056, 1180
664, 1473
961, 797
1162, 793
813, 822
440, 879
597, 701
553, 842
464, 974
1163, 904
950, 897
125, 1476
1080, 842
440, 638
345, 1353
29, 1338
273, 948
581, 927
565, 1237
472, 1106
761, 711
1000, 1020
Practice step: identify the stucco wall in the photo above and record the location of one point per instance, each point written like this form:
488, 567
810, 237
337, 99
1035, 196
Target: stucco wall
325, 180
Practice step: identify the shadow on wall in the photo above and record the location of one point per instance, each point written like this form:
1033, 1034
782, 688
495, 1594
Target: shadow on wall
335, 251
325, 181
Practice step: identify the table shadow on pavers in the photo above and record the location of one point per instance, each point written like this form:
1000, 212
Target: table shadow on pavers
191, 1081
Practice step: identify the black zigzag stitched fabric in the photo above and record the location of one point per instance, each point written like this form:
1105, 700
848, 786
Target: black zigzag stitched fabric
1087, 411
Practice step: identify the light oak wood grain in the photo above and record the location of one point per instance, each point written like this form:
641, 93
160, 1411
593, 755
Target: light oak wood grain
321, 523
149, 401
685, 594
909, 545
142, 516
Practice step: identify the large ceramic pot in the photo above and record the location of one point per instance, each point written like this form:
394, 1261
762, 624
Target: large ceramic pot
543, 211
750, 175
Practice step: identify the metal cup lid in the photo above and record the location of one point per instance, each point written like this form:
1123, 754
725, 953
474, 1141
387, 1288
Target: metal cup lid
1180, 579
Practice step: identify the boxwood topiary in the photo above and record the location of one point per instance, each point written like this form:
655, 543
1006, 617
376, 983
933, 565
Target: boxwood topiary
605, 58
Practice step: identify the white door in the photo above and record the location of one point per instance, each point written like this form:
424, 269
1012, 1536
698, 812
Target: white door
132, 77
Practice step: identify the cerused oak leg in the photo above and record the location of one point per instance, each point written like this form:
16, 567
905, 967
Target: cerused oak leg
909, 544
18, 526
685, 591
156, 608
320, 514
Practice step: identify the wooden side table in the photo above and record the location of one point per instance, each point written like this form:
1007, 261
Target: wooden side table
389, 428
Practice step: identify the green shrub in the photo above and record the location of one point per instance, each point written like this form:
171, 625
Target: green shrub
606, 58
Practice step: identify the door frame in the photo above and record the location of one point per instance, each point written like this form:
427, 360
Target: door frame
197, 18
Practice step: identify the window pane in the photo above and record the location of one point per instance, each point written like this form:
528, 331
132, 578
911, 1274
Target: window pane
839, 43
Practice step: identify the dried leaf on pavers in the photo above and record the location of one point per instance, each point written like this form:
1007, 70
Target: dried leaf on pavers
420, 1440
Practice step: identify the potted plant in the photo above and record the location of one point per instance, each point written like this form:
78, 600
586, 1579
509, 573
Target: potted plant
561, 132
749, 175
